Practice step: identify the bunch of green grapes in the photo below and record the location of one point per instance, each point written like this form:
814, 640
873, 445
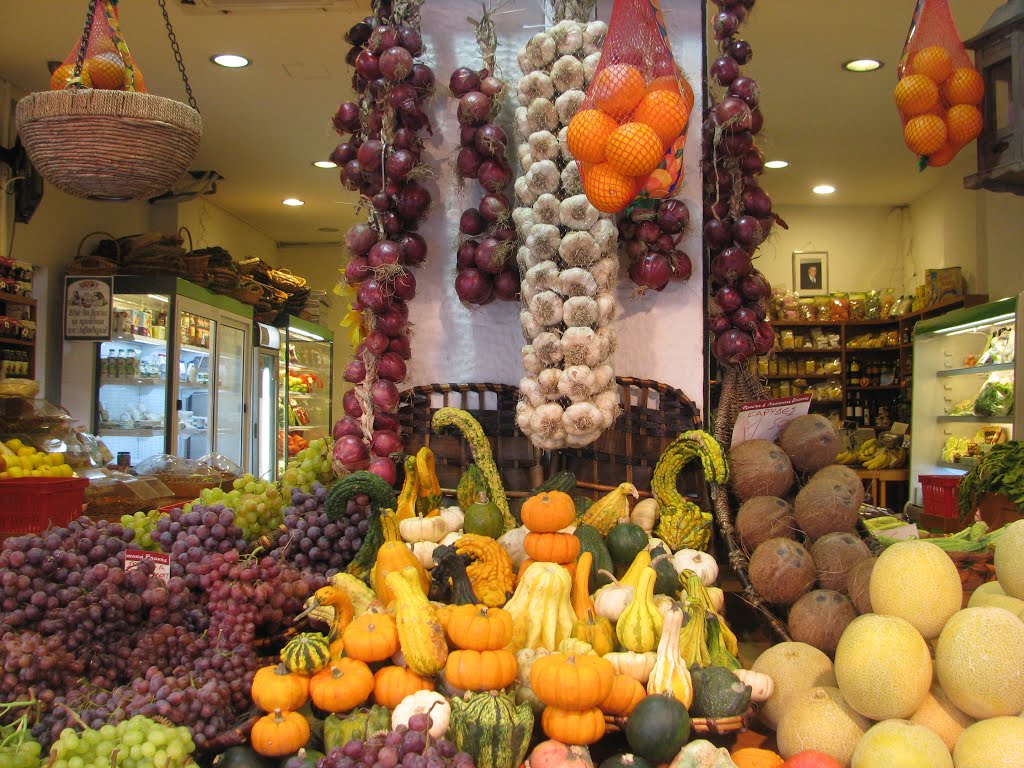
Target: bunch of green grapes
310, 465
143, 523
258, 504
17, 747
139, 742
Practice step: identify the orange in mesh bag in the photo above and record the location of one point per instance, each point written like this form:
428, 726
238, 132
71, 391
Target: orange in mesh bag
100, 58
939, 91
629, 133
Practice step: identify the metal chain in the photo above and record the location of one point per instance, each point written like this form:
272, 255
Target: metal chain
177, 55
86, 31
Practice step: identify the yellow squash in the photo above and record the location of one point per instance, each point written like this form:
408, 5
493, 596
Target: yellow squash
409, 496
670, 674
394, 556
420, 635
639, 626
541, 610
631, 578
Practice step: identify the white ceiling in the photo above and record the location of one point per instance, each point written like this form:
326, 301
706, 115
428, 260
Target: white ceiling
264, 125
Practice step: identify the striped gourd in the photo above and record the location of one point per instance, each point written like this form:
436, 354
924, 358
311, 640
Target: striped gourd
307, 653
683, 524
471, 485
491, 728
604, 513
382, 497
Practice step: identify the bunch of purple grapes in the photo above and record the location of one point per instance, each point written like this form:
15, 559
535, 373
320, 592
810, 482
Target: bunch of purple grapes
190, 537
35, 663
406, 746
93, 705
169, 645
315, 543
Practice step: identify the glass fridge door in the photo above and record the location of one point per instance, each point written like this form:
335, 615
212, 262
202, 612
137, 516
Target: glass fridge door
195, 379
265, 429
306, 389
232, 343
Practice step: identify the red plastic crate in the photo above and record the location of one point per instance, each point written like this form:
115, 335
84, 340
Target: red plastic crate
941, 494
31, 504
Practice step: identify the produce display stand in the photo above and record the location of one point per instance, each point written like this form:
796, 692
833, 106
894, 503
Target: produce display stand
878, 481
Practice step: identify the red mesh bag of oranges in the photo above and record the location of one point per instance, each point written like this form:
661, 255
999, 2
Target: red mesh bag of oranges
107, 63
939, 91
629, 132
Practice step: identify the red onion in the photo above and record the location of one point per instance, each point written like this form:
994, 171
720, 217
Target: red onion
491, 140
385, 469
744, 318
414, 249
391, 366
357, 270
368, 65
673, 216
350, 404
412, 201
383, 37
648, 232
391, 321
682, 267
351, 451
380, 201
467, 135
347, 426
402, 310
474, 108
465, 256
731, 264
494, 175
745, 88
494, 206
400, 346
422, 78
473, 286
384, 395
725, 24
373, 295
754, 287
747, 231
471, 222
733, 347
358, 33
733, 114
719, 325
383, 253
652, 271
467, 163
410, 39
764, 339
463, 80
506, 285
400, 164
725, 69
355, 372
491, 86
491, 255
752, 161
407, 139
360, 238
717, 233
387, 421
756, 202
343, 153
505, 234
396, 64
756, 121
392, 223
741, 51
404, 285
729, 299
376, 341
664, 244
375, 122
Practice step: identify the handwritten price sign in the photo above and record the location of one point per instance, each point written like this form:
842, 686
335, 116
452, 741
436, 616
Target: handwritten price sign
763, 419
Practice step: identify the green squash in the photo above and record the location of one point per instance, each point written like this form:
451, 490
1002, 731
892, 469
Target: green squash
658, 728
304, 758
591, 541
307, 653
717, 692
241, 757
624, 540
339, 731
667, 580
471, 485
491, 728
627, 760
484, 518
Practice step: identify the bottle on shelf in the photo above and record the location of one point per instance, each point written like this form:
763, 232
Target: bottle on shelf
849, 407
858, 410
867, 413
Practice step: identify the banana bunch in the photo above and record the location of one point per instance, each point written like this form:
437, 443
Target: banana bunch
847, 458
868, 450
887, 458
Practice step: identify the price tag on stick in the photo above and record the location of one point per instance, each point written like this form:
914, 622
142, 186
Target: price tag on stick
764, 419
161, 561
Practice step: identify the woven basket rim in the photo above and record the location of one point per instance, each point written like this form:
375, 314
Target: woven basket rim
91, 102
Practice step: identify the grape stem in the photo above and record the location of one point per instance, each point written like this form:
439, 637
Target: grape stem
73, 715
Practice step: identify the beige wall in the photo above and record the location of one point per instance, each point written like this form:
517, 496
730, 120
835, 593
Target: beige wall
210, 225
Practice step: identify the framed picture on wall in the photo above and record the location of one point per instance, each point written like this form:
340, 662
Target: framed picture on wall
810, 273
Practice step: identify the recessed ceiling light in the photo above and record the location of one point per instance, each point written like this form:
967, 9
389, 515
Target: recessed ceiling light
325, 164
862, 65
294, 201
823, 189
776, 164
230, 60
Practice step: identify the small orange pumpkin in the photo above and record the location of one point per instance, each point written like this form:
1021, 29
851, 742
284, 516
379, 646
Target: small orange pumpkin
371, 637
626, 694
752, 757
596, 630
279, 733
473, 670
572, 726
343, 685
274, 687
548, 512
392, 684
479, 628
551, 547
571, 682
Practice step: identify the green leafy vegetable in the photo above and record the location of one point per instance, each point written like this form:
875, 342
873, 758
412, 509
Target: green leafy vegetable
995, 397
1001, 470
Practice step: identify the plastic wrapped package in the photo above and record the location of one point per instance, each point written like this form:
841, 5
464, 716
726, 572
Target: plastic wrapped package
113, 494
840, 307
888, 302
873, 306
995, 398
823, 309
807, 311
999, 348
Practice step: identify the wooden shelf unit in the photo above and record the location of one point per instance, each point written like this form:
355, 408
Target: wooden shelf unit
7, 302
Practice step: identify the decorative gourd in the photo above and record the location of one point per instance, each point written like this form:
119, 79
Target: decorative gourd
627, 760
453, 518
551, 547
683, 523
275, 687
358, 591
610, 601
472, 670
570, 568
701, 753
626, 693
512, 542
752, 757
571, 682
479, 628
382, 497
490, 573
393, 557
449, 580
427, 486
484, 518
372, 637
597, 631
670, 674
666, 579
604, 513
548, 512
409, 495
304, 758
645, 514
717, 596
701, 563
573, 726
426, 703
631, 578
624, 541
420, 636
555, 754
307, 654
242, 756
541, 612
392, 684
279, 733
658, 728
471, 485
492, 729
341, 609
591, 541
423, 551
761, 685
339, 730
636, 665
342, 686
582, 605
413, 529
573, 647
639, 626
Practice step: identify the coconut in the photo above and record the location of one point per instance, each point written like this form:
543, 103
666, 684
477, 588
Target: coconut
883, 667
759, 468
819, 618
762, 518
819, 719
834, 555
917, 581
858, 581
844, 474
940, 715
979, 661
810, 441
900, 743
824, 506
995, 743
781, 570
794, 668
1009, 560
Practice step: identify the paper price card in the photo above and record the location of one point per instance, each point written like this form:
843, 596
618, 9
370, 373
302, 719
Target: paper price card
764, 419
161, 561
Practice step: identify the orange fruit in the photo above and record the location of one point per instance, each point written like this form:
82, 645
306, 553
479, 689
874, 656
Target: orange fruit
915, 95
588, 134
925, 134
932, 61
634, 149
107, 71
664, 111
964, 86
943, 157
963, 122
62, 74
608, 190
617, 89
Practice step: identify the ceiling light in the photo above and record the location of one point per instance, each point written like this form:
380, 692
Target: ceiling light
325, 164
776, 164
823, 189
293, 201
862, 65
230, 60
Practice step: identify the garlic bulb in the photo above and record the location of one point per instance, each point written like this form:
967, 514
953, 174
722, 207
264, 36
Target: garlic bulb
530, 390
541, 115
567, 74
579, 311
577, 282
547, 420
525, 157
524, 194
590, 66
543, 177
572, 182
605, 272
543, 145
578, 249
542, 48
606, 234
593, 37
568, 103
544, 275
563, 144
577, 383
568, 36
549, 380
546, 308
583, 439
604, 377
577, 213
576, 345
524, 412
531, 327
544, 240
522, 119
582, 418
525, 258
548, 347
534, 85
523, 218
607, 308
531, 362
527, 62
547, 209
608, 403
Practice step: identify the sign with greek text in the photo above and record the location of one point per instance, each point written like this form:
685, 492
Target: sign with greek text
764, 419
88, 307
161, 561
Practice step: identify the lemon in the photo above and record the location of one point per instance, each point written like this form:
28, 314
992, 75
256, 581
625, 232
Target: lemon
16, 472
14, 444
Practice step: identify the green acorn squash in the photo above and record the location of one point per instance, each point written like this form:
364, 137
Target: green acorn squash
717, 692
624, 540
242, 757
658, 728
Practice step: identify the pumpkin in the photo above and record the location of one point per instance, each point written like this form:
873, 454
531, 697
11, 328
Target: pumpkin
548, 512
491, 728
611, 600
306, 653
424, 552
581, 727
551, 547
597, 631
624, 541
279, 733
275, 687
392, 684
415, 529
419, 634
581, 602
512, 542
472, 670
394, 556
571, 682
626, 693
484, 518
429, 703
342, 686
371, 637
636, 665
479, 628
658, 728
555, 754
453, 518
751, 757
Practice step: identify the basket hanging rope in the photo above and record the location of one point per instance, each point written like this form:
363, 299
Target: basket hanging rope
110, 144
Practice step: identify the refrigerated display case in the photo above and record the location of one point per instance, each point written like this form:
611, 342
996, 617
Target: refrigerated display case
964, 398
306, 371
266, 401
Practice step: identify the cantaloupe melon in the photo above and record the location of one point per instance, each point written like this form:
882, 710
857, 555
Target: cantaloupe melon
821, 720
994, 743
794, 667
940, 715
918, 582
979, 662
1009, 560
900, 744
988, 588
994, 600
883, 666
